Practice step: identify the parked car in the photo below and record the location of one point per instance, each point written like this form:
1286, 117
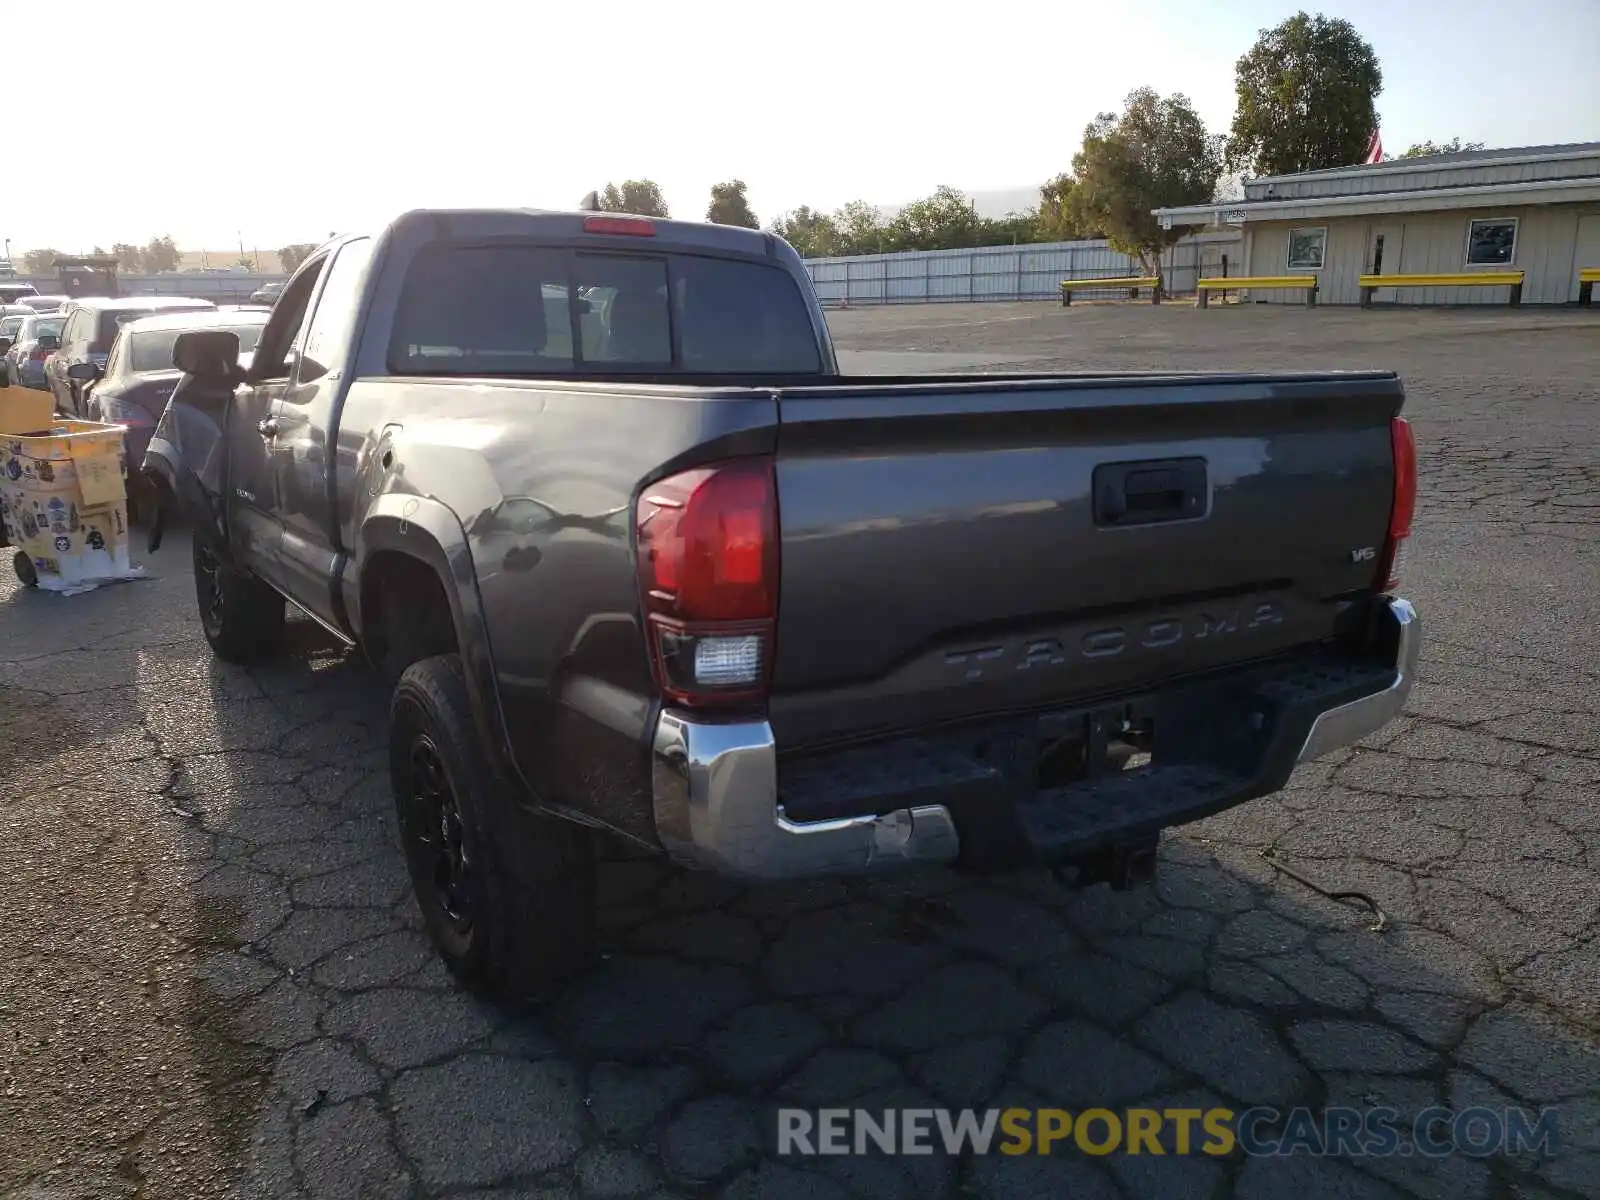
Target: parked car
24, 358
53, 303
10, 324
10, 293
140, 375
90, 329
266, 294
591, 491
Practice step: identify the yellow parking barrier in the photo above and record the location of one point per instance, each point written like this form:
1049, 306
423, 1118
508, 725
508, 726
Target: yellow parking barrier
1511, 279
1587, 278
1132, 282
1238, 283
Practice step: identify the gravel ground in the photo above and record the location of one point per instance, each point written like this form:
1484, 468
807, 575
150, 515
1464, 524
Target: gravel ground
212, 981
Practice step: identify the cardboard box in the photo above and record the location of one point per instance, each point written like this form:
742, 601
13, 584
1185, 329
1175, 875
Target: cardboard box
69, 546
64, 504
83, 458
24, 410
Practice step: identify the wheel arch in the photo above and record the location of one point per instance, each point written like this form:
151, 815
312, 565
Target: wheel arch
418, 541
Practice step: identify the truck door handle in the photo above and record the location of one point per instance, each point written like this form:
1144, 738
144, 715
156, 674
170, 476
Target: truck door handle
268, 427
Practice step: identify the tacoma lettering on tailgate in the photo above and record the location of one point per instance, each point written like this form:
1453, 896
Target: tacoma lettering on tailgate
1163, 633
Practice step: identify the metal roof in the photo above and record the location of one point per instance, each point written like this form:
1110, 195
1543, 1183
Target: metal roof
1430, 162
1534, 191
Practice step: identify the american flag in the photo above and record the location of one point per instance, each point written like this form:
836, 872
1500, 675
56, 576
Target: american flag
1374, 149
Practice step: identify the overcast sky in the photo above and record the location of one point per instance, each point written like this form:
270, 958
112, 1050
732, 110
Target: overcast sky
212, 119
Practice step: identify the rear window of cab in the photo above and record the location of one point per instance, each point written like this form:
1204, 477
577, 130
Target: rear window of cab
530, 310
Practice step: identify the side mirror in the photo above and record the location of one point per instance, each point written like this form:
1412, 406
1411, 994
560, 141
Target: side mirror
83, 372
5, 344
49, 341
207, 353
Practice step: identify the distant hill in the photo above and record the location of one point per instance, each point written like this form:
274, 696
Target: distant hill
266, 260
999, 202
991, 204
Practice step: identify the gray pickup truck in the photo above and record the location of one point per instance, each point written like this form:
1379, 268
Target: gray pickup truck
591, 491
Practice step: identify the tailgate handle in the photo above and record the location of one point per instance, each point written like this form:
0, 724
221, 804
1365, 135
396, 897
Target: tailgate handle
1145, 493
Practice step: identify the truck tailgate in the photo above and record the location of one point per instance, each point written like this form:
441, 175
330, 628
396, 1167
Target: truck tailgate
957, 550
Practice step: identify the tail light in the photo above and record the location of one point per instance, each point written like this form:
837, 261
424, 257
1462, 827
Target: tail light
708, 581
1405, 503
121, 412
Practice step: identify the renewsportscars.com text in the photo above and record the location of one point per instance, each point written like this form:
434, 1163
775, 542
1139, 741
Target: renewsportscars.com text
1373, 1132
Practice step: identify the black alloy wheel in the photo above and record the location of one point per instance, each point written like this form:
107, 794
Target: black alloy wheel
209, 589
435, 842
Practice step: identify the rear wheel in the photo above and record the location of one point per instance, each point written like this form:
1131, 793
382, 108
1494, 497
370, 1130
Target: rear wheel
507, 895
242, 617
23, 566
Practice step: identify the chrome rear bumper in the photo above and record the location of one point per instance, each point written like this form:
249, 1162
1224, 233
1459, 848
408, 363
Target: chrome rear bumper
716, 806
1349, 723
716, 802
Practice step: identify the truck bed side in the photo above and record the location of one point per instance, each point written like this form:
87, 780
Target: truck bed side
542, 479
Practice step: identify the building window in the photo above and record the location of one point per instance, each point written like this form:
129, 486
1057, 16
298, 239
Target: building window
1492, 243
1306, 248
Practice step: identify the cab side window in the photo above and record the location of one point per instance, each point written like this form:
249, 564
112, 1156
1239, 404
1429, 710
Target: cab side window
329, 331
284, 327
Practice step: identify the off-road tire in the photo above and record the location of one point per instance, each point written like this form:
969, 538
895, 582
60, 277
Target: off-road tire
242, 617
528, 884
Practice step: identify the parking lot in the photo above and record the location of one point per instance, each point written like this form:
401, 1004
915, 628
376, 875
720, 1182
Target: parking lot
213, 982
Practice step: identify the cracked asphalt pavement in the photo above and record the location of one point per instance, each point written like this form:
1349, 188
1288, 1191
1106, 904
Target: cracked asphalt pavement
213, 982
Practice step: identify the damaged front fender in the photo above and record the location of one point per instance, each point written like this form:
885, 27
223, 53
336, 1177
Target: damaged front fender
186, 461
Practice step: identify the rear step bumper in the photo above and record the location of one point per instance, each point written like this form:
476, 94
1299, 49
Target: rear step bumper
719, 805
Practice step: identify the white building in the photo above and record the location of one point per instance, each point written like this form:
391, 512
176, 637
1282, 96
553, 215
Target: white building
1534, 209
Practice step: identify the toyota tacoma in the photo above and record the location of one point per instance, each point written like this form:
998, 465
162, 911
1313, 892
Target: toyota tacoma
640, 562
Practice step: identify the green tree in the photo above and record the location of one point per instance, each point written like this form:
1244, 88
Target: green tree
730, 206
161, 254
97, 251
129, 257
1157, 154
640, 196
1013, 229
244, 263
1306, 95
860, 228
40, 262
1059, 219
812, 234
292, 255
1453, 146
945, 220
